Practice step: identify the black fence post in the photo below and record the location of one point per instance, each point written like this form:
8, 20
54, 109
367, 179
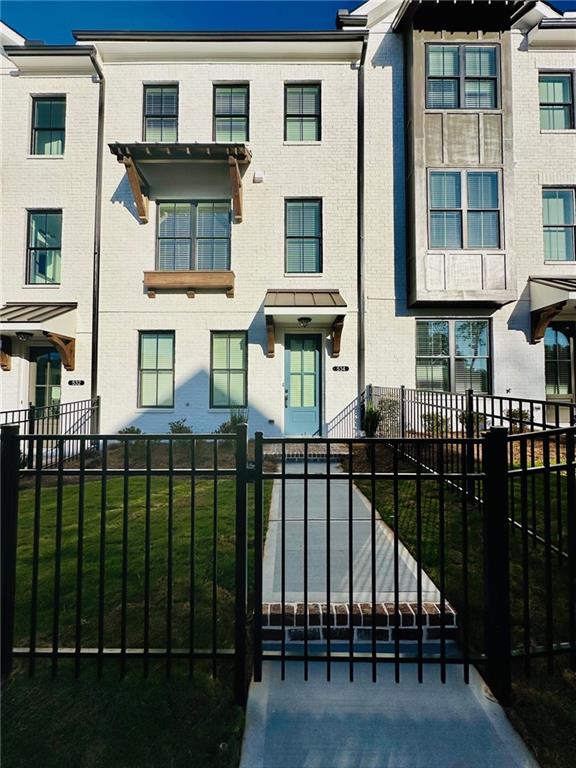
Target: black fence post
31, 431
241, 566
497, 564
402, 411
469, 427
258, 553
9, 470
95, 420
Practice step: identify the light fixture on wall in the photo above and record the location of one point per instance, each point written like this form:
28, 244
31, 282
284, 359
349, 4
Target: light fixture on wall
304, 322
24, 336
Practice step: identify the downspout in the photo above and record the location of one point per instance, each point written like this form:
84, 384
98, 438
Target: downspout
361, 297
97, 233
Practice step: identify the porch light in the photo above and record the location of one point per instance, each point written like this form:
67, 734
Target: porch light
304, 322
24, 336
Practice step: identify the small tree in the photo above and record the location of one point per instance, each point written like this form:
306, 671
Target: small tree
179, 427
371, 420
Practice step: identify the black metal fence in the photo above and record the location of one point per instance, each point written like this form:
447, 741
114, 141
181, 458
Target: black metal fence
440, 551
135, 549
80, 417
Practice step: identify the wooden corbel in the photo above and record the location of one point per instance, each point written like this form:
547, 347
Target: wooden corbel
6, 353
337, 327
135, 182
540, 319
236, 183
67, 348
271, 334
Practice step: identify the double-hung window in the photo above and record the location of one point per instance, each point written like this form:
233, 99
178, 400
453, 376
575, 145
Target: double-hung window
193, 236
160, 113
453, 355
464, 209
556, 101
44, 247
559, 343
231, 112
48, 125
559, 218
229, 369
461, 76
302, 112
303, 236
156, 369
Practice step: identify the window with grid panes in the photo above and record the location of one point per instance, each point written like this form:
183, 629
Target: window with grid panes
302, 112
464, 209
461, 76
156, 369
44, 247
48, 125
161, 113
559, 219
229, 369
453, 355
303, 236
193, 235
231, 113
558, 360
556, 101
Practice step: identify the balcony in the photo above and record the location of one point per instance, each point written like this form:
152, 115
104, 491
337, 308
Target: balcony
190, 281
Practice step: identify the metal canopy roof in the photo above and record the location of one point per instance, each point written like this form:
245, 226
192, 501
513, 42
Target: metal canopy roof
306, 298
142, 151
33, 313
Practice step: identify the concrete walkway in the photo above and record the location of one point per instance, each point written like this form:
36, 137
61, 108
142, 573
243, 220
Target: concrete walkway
315, 724
339, 724
339, 546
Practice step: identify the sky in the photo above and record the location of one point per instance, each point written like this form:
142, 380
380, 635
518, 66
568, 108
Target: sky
53, 20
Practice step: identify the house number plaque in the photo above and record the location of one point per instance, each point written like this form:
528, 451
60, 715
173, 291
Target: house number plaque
76, 382
340, 368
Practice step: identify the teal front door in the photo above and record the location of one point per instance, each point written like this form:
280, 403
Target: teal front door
302, 384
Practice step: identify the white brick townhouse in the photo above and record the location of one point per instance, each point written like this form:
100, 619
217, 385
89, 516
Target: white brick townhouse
196, 222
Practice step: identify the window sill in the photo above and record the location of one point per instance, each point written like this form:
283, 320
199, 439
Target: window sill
45, 157
302, 143
559, 262
51, 286
459, 110
298, 275
569, 131
155, 408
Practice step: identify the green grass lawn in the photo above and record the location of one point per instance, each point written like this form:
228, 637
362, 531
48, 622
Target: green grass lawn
544, 706
130, 721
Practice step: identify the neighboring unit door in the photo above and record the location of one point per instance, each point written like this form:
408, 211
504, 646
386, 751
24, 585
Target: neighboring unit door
45, 387
302, 384
560, 357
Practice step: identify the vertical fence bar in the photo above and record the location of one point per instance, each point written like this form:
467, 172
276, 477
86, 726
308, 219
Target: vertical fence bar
571, 542
147, 541
305, 574
402, 411
214, 631
283, 565
372, 448
31, 431
10, 468
192, 575
328, 586
496, 563
35, 554
58, 557
241, 564
80, 559
548, 579
170, 558
102, 567
351, 560
258, 553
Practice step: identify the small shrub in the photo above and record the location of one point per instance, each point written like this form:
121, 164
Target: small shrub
516, 415
237, 416
130, 431
434, 423
371, 419
479, 420
179, 427
389, 408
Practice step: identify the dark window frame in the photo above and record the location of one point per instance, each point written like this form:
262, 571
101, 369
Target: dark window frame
452, 357
465, 209
560, 188
30, 249
462, 77
140, 369
318, 115
571, 104
320, 238
193, 233
568, 328
168, 116
228, 370
34, 132
215, 86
